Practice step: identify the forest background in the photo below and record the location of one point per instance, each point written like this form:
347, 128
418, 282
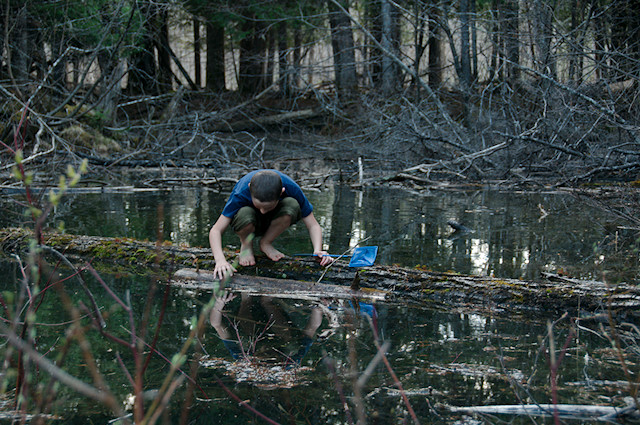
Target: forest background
540, 92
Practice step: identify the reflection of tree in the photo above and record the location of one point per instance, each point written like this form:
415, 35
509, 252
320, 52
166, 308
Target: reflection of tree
342, 217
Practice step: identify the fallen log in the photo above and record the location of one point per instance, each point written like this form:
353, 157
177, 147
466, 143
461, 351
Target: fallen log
277, 288
566, 411
550, 294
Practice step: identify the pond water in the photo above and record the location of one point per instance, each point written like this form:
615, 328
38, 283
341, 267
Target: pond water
513, 235
299, 360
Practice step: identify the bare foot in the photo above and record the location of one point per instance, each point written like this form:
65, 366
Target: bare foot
270, 251
246, 255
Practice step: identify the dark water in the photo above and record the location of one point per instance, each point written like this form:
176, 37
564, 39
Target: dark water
441, 357
511, 236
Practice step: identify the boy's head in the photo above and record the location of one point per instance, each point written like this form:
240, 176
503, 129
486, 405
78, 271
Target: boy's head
266, 186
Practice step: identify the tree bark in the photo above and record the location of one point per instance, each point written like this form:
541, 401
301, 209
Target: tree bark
511, 36
465, 51
435, 49
215, 57
143, 70
161, 38
253, 49
389, 74
196, 52
344, 62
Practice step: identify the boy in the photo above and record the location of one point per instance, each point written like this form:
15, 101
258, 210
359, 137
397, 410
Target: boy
264, 203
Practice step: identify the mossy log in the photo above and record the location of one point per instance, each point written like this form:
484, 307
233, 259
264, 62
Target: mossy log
552, 294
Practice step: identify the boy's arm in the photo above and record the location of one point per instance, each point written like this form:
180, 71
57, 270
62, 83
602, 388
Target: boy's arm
223, 268
315, 233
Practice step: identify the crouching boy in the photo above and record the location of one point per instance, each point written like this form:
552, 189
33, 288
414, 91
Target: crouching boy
263, 203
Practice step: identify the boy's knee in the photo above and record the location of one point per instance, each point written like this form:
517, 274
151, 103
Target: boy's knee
291, 208
245, 217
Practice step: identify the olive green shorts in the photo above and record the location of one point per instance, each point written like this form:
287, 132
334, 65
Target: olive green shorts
249, 215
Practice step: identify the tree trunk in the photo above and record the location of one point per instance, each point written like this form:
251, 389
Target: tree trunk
196, 52
474, 40
625, 34
389, 74
215, 57
511, 36
418, 43
142, 69
344, 63
373, 55
270, 61
600, 40
543, 24
435, 46
297, 57
165, 75
3, 57
19, 47
253, 49
284, 71
465, 51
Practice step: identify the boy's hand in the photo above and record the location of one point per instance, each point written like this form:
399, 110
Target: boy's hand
223, 270
324, 256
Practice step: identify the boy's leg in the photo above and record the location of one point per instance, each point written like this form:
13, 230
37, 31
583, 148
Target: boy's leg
244, 225
287, 213
277, 226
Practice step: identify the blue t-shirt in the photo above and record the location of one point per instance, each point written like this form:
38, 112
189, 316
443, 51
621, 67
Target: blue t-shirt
241, 195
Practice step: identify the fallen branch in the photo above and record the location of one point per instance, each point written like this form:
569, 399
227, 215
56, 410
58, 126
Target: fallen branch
573, 411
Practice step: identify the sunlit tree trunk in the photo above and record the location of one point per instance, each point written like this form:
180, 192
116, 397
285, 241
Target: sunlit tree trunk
343, 48
215, 76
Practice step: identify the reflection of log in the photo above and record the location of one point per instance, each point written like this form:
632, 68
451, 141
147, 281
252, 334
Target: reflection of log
551, 294
279, 288
574, 411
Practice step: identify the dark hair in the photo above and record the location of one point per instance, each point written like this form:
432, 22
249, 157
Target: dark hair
266, 186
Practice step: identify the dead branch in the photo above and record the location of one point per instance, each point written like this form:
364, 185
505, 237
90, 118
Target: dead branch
573, 411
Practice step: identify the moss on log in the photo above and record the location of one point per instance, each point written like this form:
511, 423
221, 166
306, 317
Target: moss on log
551, 293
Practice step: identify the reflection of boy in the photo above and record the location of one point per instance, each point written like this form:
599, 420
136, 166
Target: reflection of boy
234, 346
263, 203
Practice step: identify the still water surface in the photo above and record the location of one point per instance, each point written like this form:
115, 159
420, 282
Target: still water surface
451, 357
514, 235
